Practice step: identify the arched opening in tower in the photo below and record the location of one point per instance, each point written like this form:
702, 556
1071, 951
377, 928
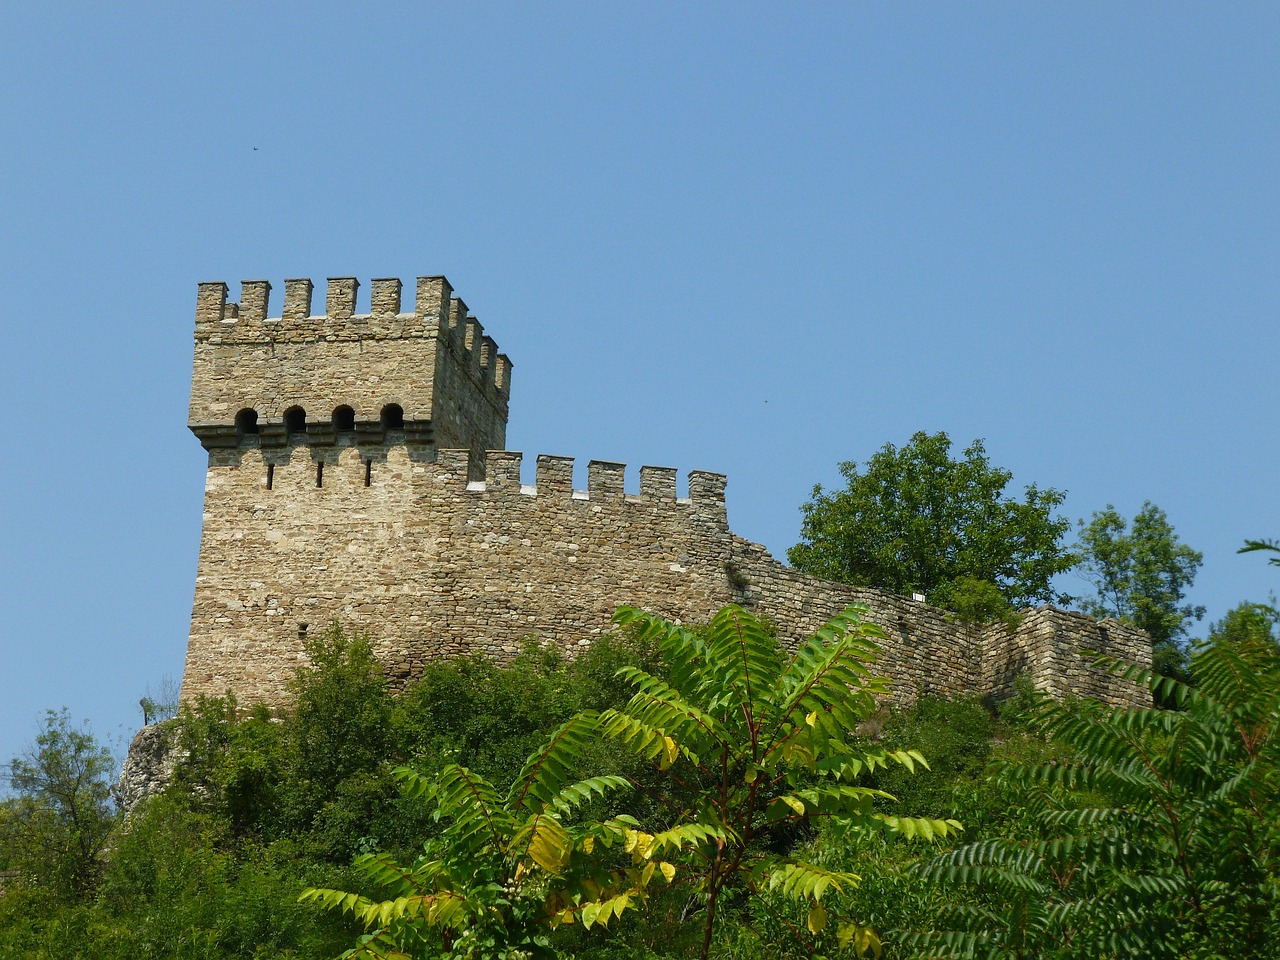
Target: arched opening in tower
344, 419
393, 417
247, 421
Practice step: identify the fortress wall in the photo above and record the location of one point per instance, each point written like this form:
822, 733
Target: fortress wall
431, 563
1048, 646
513, 561
270, 377
1010, 653
245, 358
928, 651
272, 559
412, 533
923, 651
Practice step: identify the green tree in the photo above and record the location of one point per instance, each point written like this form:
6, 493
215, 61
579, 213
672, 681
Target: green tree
58, 822
1140, 573
918, 520
505, 869
761, 745
229, 765
485, 715
1256, 621
1157, 837
319, 771
340, 721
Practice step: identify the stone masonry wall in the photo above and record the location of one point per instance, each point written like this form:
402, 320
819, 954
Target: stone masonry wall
431, 564
1050, 647
472, 387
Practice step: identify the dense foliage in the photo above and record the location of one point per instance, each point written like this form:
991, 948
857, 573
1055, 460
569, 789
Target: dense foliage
56, 827
504, 869
1155, 836
1089, 832
917, 520
762, 744
264, 806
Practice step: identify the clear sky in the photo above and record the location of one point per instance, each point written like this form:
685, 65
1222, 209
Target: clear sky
755, 239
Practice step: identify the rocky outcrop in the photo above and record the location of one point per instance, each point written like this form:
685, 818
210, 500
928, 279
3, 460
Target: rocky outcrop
148, 768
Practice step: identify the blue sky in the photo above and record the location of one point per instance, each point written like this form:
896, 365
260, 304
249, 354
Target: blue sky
756, 239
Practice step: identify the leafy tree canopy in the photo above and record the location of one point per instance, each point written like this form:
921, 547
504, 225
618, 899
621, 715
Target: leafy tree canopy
1140, 572
1248, 621
59, 820
917, 520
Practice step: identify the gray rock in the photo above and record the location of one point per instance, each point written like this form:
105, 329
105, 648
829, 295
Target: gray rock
149, 766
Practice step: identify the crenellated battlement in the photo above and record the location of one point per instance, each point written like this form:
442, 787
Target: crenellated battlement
430, 371
436, 313
501, 475
455, 473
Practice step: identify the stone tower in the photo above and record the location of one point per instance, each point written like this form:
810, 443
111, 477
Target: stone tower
309, 422
425, 379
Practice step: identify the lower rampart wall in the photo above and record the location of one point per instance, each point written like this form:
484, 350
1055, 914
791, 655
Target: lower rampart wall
399, 543
1052, 648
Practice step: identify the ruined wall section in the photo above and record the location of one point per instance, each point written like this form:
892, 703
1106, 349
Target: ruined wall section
1049, 647
923, 652
929, 651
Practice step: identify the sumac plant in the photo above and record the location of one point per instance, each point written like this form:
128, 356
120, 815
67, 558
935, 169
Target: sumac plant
756, 743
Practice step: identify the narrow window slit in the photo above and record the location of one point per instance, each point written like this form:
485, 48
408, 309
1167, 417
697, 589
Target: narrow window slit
319, 474
271, 475
302, 631
368, 472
